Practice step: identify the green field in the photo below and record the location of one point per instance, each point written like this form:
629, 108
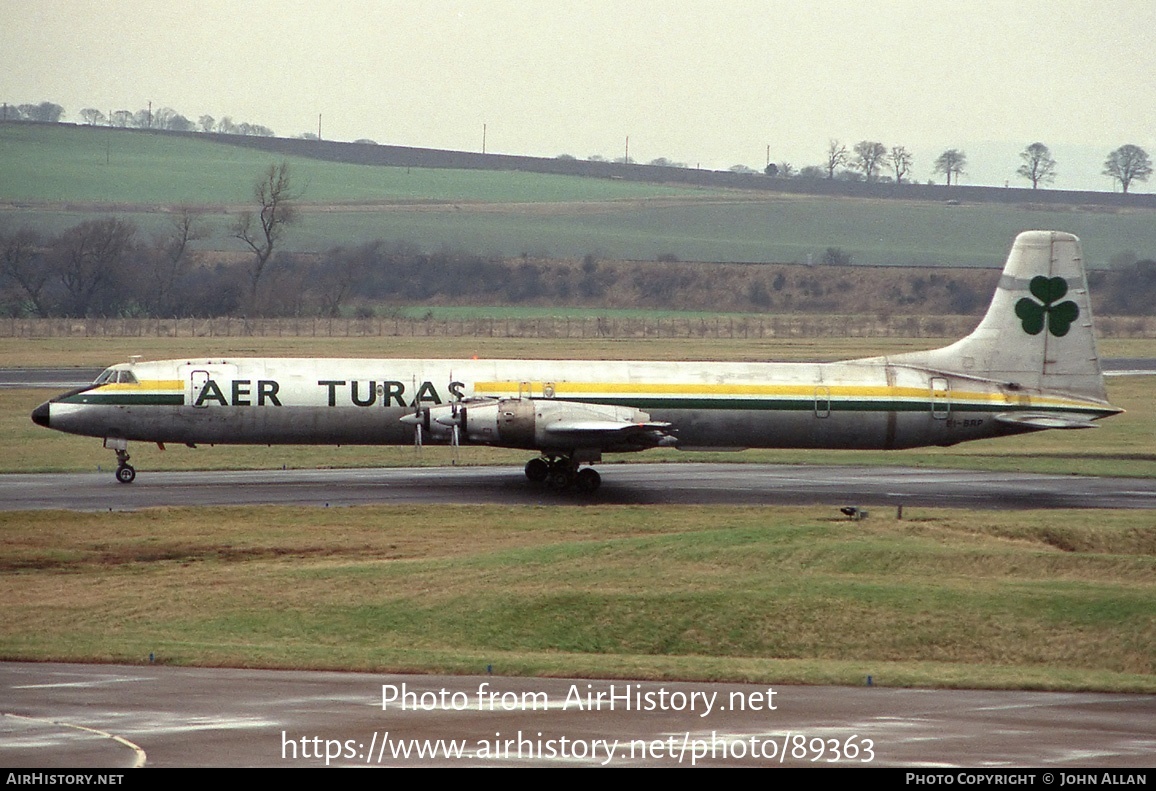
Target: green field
941, 598
45, 172
64, 164
783, 230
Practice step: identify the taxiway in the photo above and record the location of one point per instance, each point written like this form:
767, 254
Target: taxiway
74, 716
623, 484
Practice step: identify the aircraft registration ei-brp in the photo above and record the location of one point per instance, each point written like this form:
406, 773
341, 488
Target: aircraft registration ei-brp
1030, 365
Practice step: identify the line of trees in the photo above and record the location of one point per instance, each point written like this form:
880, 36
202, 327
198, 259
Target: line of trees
870, 160
164, 118
107, 268
98, 268
45, 112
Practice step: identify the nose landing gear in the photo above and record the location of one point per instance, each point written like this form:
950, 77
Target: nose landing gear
124, 471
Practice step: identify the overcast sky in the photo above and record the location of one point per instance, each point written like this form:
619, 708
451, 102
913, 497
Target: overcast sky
706, 83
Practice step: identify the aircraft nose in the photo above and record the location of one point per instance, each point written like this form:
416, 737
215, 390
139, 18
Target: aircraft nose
40, 415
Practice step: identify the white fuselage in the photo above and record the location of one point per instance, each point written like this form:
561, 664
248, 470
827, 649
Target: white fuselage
859, 405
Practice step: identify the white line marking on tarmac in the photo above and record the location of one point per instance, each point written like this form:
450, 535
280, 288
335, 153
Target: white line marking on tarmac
139, 756
99, 683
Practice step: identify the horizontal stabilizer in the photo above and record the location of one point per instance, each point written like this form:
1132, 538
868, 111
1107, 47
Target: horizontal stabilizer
1045, 420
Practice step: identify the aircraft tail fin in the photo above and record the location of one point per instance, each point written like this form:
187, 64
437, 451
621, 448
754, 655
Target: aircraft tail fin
1037, 332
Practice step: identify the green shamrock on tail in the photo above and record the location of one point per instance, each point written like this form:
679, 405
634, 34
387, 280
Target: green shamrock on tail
1047, 290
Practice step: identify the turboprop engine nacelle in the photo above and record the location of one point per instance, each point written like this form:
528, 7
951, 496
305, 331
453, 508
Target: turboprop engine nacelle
532, 424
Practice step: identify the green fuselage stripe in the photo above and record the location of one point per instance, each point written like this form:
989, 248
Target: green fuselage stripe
126, 399
833, 404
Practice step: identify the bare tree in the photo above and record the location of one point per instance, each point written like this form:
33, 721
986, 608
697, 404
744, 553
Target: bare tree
1039, 167
161, 117
1128, 163
179, 123
900, 163
870, 156
274, 195
334, 281
168, 261
92, 116
168, 118
950, 163
20, 262
837, 156
90, 260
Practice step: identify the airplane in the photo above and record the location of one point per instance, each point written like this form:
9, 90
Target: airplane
1031, 364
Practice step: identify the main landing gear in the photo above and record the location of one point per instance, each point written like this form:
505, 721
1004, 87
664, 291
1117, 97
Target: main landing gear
561, 472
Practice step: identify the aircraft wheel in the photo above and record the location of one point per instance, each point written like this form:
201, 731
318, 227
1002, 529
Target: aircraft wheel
588, 480
537, 470
559, 479
125, 474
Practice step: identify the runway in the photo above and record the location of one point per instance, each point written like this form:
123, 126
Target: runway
622, 484
76, 716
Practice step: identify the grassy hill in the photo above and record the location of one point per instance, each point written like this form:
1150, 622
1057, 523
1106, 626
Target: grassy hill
53, 176
62, 163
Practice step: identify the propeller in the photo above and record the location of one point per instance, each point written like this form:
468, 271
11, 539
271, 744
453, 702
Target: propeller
433, 420
419, 420
453, 421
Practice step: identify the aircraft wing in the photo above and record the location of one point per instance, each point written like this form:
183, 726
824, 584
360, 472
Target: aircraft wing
602, 433
608, 429
1045, 420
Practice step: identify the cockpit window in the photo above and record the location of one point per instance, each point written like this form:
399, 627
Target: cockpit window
113, 376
